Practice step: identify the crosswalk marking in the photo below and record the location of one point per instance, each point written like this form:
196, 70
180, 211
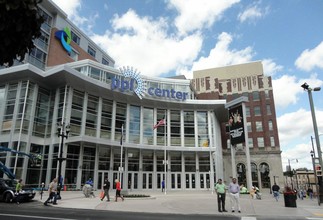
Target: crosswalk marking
248, 218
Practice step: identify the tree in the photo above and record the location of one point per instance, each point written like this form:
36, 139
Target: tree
20, 23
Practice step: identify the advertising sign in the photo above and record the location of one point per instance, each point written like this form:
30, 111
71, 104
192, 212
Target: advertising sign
236, 125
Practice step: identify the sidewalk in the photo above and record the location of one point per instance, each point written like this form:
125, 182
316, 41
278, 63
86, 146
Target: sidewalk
189, 202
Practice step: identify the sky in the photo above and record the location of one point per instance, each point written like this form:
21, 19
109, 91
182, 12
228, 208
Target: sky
176, 37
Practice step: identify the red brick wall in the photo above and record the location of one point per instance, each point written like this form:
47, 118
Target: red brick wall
58, 55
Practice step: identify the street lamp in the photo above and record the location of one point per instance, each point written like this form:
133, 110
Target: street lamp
309, 90
290, 172
315, 175
62, 132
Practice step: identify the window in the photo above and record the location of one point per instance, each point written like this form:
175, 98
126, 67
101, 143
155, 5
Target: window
260, 141
268, 109
270, 125
255, 96
247, 111
91, 51
272, 141
74, 55
267, 94
105, 61
250, 142
189, 132
259, 126
257, 111
249, 128
75, 38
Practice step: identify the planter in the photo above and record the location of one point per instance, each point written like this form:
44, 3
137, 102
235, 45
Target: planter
290, 199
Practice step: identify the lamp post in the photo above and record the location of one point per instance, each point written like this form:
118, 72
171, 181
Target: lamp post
62, 132
309, 90
315, 175
295, 174
290, 172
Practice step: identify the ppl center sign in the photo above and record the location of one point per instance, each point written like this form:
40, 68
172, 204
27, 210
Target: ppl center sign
138, 86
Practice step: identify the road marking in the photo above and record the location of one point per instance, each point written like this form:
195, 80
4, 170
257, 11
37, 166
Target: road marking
33, 217
248, 218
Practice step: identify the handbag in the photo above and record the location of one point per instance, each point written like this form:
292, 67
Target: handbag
101, 194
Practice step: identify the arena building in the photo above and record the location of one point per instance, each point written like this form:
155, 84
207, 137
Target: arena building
87, 119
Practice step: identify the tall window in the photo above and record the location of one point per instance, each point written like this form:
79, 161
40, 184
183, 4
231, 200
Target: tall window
41, 113
76, 114
88, 163
175, 128
189, 131
72, 165
202, 126
161, 138
190, 164
270, 125
106, 119
255, 95
120, 119
9, 108
268, 109
91, 116
148, 123
249, 128
134, 124
247, 111
272, 141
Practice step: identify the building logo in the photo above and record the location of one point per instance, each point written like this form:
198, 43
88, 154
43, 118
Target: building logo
125, 85
65, 37
129, 72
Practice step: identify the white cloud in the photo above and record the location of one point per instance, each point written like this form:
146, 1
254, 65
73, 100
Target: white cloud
287, 89
301, 152
252, 13
195, 15
144, 44
309, 59
270, 67
222, 55
72, 8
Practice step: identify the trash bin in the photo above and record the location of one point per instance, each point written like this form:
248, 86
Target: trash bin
290, 199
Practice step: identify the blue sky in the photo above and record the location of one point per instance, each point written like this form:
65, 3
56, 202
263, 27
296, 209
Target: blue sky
173, 37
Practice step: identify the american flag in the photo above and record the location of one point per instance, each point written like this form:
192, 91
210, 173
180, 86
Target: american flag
160, 123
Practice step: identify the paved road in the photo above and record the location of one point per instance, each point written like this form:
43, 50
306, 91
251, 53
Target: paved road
175, 205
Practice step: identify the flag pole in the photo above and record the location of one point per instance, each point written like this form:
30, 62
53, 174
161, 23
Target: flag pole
165, 155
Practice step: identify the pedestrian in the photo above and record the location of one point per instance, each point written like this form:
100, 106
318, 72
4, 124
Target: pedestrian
275, 188
118, 190
220, 189
18, 190
163, 185
310, 192
52, 192
106, 188
234, 190
89, 181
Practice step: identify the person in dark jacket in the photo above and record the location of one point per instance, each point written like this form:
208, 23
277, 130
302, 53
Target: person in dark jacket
106, 188
275, 188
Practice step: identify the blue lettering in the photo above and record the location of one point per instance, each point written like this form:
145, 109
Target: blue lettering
115, 83
158, 92
165, 93
150, 92
172, 92
179, 95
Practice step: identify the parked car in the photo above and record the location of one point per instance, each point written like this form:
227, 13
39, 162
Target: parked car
8, 191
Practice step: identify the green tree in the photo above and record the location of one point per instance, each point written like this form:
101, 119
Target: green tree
20, 24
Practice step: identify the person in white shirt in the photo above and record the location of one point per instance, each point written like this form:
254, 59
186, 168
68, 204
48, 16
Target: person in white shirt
234, 190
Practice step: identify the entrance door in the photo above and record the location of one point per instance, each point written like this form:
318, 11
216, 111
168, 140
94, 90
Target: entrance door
176, 180
147, 180
190, 181
132, 180
101, 177
205, 180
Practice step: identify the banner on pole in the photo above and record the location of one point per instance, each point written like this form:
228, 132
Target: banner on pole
236, 125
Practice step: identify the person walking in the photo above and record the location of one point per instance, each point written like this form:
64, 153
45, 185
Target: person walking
18, 190
118, 190
106, 188
234, 190
52, 191
220, 189
163, 185
310, 192
275, 188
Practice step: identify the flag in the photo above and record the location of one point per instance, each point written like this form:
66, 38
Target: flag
160, 123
